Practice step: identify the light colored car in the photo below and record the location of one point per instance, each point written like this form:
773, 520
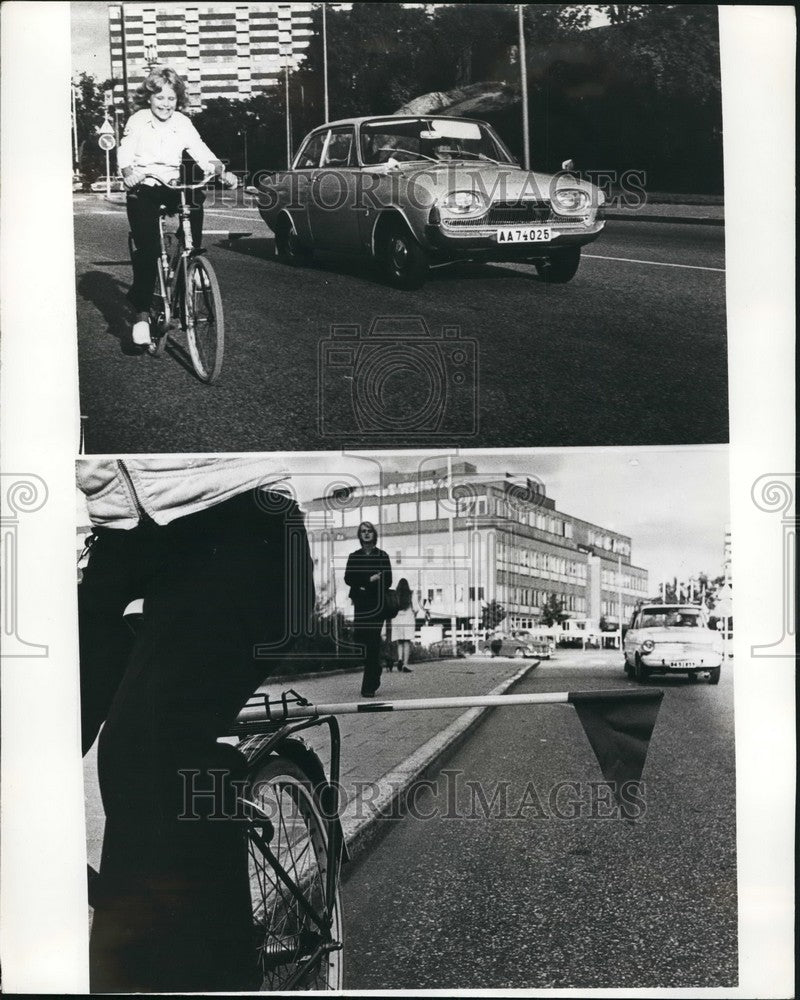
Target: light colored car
672, 638
100, 185
412, 191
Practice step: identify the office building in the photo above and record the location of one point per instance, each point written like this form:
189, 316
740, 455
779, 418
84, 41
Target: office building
231, 50
472, 539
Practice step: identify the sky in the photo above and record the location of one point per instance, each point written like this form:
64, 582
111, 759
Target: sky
90, 53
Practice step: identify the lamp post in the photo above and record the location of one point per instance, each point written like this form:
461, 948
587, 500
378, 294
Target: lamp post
523, 72
243, 132
325, 61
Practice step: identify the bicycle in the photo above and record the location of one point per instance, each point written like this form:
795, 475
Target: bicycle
298, 919
199, 314
295, 839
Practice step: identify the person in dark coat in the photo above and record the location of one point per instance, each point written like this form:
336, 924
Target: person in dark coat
369, 575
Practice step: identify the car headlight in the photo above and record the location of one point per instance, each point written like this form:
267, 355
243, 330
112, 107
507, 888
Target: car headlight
463, 203
571, 200
648, 646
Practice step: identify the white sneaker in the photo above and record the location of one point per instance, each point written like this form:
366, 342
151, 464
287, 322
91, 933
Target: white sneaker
141, 333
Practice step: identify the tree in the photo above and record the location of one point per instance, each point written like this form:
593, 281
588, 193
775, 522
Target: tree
89, 116
552, 612
492, 614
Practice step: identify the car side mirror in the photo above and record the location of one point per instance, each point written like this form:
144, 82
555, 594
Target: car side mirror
568, 165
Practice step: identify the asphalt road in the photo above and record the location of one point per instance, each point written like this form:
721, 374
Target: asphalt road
631, 351
451, 902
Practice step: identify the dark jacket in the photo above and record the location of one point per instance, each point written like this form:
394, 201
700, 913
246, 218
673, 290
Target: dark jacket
367, 595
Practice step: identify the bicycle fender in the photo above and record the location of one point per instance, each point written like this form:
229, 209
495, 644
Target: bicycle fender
305, 758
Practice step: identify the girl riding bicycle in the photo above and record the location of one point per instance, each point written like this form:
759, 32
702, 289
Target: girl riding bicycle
154, 141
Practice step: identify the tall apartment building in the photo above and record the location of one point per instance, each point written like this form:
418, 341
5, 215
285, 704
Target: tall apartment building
233, 50
485, 538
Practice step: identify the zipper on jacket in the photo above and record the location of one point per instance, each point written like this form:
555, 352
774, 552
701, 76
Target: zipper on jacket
144, 517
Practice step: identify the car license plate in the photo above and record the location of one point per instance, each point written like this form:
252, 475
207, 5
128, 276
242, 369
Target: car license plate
683, 663
530, 234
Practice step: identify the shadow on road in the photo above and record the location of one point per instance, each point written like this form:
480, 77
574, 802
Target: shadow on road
359, 267
106, 294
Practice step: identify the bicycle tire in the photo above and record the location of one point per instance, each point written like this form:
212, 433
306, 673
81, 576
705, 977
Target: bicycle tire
204, 322
285, 935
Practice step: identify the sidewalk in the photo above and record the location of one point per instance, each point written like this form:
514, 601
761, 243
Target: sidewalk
654, 211
383, 754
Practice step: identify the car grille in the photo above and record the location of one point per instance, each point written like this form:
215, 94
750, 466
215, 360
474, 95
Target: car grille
513, 213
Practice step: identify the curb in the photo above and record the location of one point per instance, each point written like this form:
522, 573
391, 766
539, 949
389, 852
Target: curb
682, 220
361, 832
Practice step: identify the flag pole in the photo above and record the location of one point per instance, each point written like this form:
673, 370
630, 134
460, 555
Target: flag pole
260, 709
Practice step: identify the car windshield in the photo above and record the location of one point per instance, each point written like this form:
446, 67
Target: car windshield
430, 139
671, 618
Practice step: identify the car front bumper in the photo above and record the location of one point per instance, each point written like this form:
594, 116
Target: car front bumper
661, 662
481, 243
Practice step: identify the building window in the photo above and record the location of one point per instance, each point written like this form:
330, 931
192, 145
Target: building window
481, 505
408, 512
398, 558
371, 514
429, 555
389, 513
427, 510
352, 517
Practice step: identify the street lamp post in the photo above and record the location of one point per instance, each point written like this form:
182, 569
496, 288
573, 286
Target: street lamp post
243, 133
325, 61
523, 71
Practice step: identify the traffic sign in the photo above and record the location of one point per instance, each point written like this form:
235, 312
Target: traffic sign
106, 141
105, 128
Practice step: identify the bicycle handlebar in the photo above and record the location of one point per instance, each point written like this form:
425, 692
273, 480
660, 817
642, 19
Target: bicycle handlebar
180, 187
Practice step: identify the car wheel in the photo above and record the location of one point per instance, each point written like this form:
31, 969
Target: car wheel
519, 654
561, 266
288, 248
641, 672
626, 666
713, 675
403, 261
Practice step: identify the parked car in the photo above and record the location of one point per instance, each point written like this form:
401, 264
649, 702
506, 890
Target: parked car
411, 191
100, 184
517, 644
672, 638
444, 647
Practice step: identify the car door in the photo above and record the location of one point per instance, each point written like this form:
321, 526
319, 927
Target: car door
332, 214
630, 640
299, 189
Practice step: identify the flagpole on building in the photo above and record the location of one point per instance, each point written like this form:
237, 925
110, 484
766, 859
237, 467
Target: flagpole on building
523, 72
325, 60
619, 597
452, 553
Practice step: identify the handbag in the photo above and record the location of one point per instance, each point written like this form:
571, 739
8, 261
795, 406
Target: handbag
391, 604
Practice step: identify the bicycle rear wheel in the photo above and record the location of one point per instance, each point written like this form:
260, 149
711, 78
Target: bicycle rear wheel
205, 326
294, 952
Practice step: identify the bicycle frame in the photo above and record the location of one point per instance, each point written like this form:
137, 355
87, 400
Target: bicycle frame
169, 269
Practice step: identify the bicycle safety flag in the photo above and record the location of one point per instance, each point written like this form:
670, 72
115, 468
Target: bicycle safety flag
619, 726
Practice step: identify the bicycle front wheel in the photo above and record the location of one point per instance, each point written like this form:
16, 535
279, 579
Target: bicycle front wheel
296, 951
205, 326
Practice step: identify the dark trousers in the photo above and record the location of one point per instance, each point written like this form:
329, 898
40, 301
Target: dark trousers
368, 634
143, 204
173, 908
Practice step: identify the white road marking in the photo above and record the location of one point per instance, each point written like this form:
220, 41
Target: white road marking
655, 263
